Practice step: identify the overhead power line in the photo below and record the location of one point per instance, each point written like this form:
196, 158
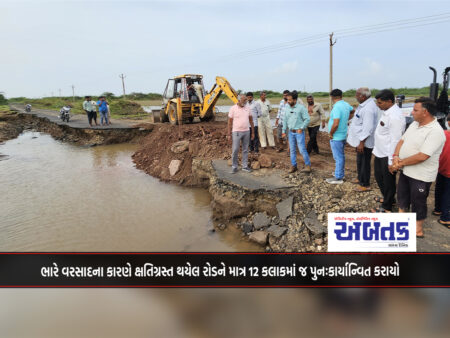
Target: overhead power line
362, 30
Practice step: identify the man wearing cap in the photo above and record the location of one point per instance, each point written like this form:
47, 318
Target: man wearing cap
417, 154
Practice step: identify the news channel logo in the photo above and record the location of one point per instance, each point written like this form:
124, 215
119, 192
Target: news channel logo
371, 232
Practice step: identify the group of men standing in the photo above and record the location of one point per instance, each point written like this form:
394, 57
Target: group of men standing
418, 154
249, 123
90, 107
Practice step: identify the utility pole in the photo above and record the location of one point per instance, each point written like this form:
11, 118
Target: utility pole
59, 92
332, 43
123, 83
73, 93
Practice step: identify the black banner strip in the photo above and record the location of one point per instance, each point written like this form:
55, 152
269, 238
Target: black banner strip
224, 270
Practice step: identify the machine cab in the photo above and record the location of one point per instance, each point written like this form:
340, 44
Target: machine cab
183, 87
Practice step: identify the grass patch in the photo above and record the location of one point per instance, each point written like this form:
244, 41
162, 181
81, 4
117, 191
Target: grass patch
119, 107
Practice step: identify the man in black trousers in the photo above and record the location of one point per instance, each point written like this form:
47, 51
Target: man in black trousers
387, 134
361, 136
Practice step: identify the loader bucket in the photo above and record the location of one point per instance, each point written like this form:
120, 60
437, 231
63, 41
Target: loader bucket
156, 116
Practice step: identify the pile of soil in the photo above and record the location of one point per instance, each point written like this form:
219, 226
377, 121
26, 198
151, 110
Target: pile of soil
208, 141
205, 140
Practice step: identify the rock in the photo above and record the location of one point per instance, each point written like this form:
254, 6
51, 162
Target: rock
221, 226
284, 208
174, 167
260, 220
180, 147
276, 231
313, 224
259, 237
256, 165
272, 242
194, 148
247, 227
318, 241
265, 161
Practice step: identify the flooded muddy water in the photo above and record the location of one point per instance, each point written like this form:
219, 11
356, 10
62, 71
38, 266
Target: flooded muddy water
61, 197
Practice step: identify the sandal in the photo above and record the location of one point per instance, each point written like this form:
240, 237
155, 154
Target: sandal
362, 189
446, 224
380, 210
436, 213
378, 199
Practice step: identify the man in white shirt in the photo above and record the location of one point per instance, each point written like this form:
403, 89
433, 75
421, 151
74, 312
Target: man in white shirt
255, 111
361, 136
418, 154
264, 125
280, 119
387, 134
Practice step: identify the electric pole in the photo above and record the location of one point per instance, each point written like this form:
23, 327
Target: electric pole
73, 93
59, 92
332, 43
123, 83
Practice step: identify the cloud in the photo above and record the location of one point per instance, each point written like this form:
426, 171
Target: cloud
287, 67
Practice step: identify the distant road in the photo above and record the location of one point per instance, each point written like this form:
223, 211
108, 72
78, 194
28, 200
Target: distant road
77, 121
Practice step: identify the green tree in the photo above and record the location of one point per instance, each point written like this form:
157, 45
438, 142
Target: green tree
108, 95
3, 99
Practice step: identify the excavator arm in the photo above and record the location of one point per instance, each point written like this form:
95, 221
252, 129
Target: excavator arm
221, 86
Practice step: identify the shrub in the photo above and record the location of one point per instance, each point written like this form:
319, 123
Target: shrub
126, 107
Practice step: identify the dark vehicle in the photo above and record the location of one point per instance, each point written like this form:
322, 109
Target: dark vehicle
64, 113
442, 102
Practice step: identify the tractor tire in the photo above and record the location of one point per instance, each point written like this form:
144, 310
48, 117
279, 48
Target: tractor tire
173, 116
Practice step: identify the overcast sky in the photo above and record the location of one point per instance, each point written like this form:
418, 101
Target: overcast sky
50, 45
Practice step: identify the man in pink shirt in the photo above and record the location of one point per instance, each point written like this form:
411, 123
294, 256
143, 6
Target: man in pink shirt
239, 120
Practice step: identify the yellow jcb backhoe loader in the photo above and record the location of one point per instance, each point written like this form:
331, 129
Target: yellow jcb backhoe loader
185, 98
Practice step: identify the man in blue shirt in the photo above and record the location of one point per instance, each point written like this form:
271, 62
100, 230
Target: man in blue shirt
296, 119
337, 127
103, 110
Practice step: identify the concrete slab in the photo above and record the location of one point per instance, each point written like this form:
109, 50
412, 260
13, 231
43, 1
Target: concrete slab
77, 121
250, 181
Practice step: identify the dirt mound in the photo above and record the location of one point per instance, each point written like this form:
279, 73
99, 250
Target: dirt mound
205, 140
